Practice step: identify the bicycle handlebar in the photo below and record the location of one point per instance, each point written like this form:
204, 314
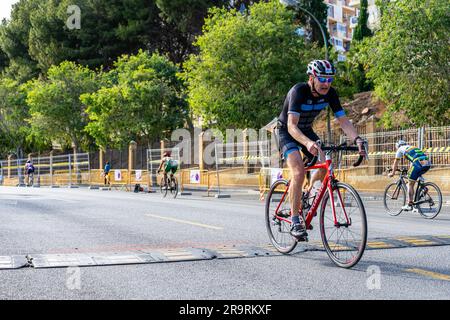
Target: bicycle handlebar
341, 147
312, 162
403, 170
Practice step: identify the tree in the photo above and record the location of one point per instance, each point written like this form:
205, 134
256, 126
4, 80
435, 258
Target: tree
351, 76
408, 61
108, 29
246, 65
143, 101
14, 36
56, 112
4, 61
14, 129
320, 10
362, 30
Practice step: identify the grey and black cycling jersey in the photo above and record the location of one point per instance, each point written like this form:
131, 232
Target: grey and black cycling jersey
300, 101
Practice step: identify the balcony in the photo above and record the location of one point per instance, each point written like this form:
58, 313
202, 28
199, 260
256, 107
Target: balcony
354, 3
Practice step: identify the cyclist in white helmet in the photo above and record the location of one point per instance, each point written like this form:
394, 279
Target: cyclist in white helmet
302, 105
420, 164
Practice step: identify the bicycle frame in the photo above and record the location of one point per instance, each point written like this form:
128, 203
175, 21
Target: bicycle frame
401, 181
327, 184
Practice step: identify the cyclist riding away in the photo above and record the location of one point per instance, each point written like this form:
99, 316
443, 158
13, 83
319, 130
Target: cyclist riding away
419, 165
170, 165
302, 105
106, 172
29, 170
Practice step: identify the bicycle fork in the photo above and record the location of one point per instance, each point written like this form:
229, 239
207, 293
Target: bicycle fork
337, 224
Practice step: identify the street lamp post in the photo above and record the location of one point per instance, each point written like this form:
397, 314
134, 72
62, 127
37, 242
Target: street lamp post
294, 4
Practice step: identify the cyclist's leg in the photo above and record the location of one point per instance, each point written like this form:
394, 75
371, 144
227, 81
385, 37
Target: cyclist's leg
173, 170
318, 174
290, 150
295, 164
165, 177
413, 174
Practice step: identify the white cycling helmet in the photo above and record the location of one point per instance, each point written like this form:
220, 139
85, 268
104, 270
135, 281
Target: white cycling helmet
400, 143
321, 68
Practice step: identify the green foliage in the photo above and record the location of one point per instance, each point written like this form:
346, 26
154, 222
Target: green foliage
56, 112
108, 29
14, 36
187, 15
362, 30
246, 65
320, 10
14, 130
37, 36
351, 76
143, 101
408, 61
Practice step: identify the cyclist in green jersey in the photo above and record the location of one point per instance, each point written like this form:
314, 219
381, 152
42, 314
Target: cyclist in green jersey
419, 165
170, 165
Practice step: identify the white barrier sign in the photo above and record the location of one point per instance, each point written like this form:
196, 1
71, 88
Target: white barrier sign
275, 174
195, 176
117, 175
138, 175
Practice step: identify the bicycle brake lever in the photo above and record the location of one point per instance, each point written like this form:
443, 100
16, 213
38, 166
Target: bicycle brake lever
358, 162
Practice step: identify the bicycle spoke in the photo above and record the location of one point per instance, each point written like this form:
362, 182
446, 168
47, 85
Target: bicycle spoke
393, 205
429, 200
344, 243
279, 230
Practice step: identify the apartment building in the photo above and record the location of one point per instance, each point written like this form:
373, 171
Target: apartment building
343, 19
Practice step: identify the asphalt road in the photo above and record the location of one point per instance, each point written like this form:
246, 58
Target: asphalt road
68, 222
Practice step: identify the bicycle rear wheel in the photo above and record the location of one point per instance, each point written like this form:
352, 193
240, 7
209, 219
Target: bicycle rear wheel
278, 208
394, 198
431, 196
345, 241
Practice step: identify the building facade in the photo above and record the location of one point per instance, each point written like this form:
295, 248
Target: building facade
342, 20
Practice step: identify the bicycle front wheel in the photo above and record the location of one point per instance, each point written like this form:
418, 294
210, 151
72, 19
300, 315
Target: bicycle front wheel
174, 187
278, 220
344, 239
429, 200
394, 198
163, 187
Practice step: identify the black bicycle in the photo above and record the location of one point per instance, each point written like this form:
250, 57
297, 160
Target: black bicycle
427, 198
169, 183
30, 179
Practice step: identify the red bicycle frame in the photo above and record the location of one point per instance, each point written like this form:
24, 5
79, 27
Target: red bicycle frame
327, 184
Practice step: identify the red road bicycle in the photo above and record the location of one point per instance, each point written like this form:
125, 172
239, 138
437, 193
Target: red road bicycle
343, 223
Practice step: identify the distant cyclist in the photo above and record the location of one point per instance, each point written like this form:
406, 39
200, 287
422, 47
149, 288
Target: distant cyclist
106, 171
420, 164
29, 171
302, 105
170, 165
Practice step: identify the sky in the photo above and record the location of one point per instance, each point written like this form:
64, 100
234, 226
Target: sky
5, 8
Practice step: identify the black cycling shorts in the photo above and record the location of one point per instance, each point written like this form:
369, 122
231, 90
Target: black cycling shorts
288, 144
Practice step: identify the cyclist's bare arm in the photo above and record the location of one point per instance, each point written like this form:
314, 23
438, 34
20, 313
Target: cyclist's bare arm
395, 166
298, 135
161, 164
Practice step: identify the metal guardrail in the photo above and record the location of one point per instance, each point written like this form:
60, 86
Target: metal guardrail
61, 170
